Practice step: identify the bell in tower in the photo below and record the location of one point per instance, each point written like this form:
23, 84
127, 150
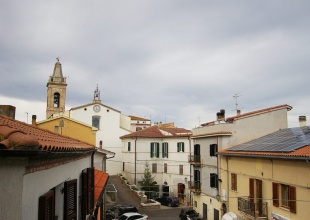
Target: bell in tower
97, 95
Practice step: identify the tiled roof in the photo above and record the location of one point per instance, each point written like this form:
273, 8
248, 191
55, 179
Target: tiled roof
155, 132
132, 117
248, 114
16, 135
101, 179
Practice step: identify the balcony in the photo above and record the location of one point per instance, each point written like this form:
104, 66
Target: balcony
195, 160
195, 187
258, 210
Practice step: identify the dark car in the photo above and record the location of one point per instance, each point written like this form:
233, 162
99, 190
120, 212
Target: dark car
168, 201
118, 210
188, 214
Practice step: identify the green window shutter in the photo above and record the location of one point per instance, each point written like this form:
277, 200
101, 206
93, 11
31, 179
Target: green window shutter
163, 150
151, 151
182, 146
178, 147
167, 150
157, 150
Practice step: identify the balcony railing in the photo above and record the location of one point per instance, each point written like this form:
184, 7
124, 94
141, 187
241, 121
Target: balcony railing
252, 209
194, 159
195, 186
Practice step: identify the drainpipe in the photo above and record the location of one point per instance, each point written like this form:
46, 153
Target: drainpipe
227, 183
217, 171
190, 169
136, 160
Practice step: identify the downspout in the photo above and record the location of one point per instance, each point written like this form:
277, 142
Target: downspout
136, 160
227, 183
217, 171
92, 158
190, 170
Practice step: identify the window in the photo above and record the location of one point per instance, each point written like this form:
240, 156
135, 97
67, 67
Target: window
181, 169
56, 129
213, 180
138, 128
154, 149
70, 199
284, 196
154, 167
234, 181
56, 99
88, 191
47, 206
129, 146
165, 150
180, 146
165, 168
213, 150
96, 121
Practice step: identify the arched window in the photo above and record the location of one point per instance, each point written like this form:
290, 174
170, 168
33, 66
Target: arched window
56, 99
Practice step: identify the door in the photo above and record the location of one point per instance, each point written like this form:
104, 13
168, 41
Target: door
165, 190
204, 211
181, 189
216, 214
197, 152
197, 179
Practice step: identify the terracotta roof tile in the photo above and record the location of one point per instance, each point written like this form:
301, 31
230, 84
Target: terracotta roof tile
16, 135
156, 132
132, 117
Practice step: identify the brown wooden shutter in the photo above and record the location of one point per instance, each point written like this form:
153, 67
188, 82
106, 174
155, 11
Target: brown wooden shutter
275, 194
292, 199
70, 200
259, 194
84, 209
251, 190
91, 188
47, 206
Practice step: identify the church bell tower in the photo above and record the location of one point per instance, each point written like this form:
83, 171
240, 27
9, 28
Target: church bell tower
56, 92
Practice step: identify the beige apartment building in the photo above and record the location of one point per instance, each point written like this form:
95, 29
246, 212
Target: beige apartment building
269, 177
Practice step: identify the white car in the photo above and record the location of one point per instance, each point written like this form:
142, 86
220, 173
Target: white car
132, 216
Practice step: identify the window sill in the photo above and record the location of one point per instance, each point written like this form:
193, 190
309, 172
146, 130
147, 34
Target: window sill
284, 208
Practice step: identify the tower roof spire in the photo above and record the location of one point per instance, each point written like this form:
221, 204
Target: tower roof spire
57, 73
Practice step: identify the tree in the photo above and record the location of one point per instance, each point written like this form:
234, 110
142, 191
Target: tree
148, 184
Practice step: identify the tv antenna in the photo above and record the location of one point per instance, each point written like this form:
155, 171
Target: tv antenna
236, 96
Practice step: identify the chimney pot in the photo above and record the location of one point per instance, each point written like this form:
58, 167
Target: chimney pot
302, 121
34, 120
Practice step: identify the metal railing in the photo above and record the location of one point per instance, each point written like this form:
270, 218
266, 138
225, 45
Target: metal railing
253, 209
194, 159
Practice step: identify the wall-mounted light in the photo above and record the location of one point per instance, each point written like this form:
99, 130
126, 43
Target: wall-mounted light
185, 179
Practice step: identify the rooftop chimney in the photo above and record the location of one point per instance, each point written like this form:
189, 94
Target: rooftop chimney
302, 121
34, 120
221, 115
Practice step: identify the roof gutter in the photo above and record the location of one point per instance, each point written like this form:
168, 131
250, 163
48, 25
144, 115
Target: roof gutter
41, 153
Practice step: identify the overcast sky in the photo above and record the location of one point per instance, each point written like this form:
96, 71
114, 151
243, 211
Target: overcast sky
168, 60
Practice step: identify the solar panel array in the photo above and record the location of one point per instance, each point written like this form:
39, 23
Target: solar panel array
285, 140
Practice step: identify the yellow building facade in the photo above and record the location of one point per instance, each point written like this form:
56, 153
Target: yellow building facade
71, 128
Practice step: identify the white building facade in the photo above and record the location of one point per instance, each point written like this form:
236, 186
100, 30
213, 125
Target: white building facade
166, 151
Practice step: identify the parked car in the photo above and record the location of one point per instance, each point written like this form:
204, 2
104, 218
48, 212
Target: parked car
168, 201
119, 210
132, 216
188, 214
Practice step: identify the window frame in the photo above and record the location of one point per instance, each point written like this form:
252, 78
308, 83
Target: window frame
180, 147
154, 149
214, 180
234, 180
213, 150
165, 149
165, 168
277, 196
97, 118
129, 146
181, 169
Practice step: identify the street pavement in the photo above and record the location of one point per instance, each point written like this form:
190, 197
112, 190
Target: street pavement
124, 197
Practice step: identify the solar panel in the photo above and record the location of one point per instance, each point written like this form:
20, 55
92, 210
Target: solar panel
285, 140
